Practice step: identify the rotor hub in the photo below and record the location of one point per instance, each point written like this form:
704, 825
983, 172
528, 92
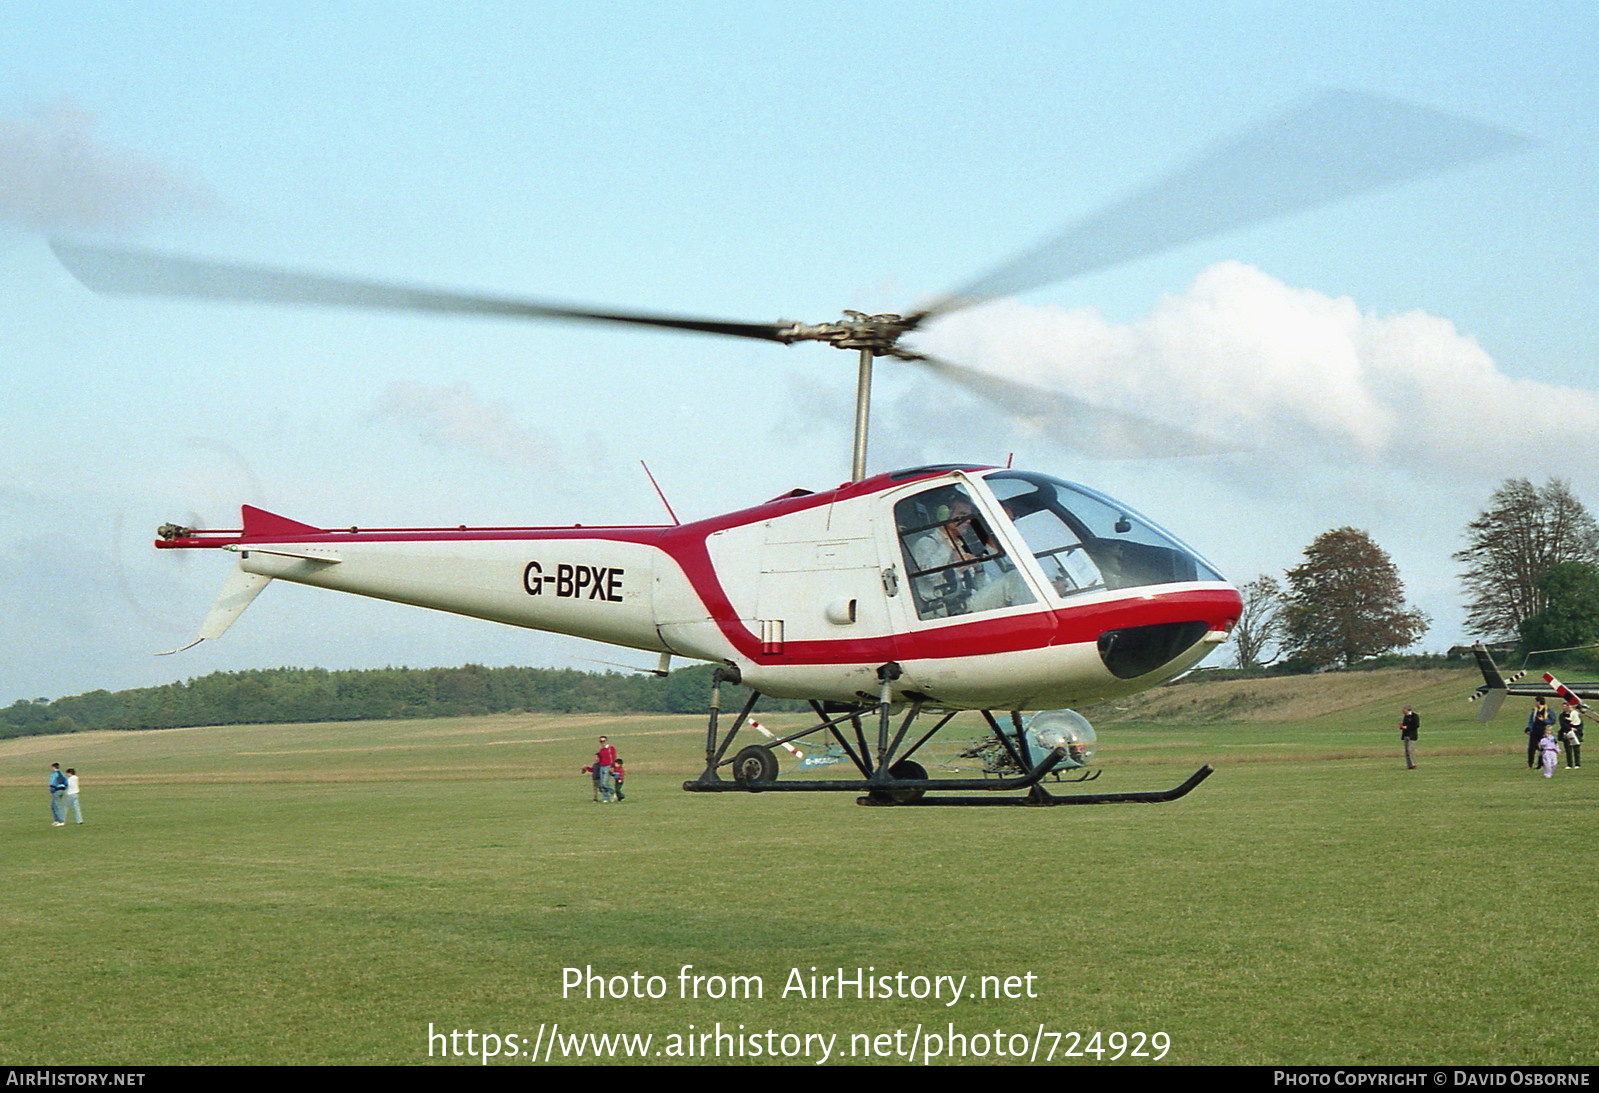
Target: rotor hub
857, 330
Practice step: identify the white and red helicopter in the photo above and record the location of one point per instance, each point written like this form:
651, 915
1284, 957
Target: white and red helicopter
930, 590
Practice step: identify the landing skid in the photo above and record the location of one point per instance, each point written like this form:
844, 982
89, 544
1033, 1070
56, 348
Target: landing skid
1039, 797
890, 776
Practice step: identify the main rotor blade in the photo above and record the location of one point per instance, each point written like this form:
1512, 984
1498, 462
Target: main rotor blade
1336, 145
1070, 421
147, 273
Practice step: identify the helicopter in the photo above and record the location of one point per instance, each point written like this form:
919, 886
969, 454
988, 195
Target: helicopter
1496, 686
897, 597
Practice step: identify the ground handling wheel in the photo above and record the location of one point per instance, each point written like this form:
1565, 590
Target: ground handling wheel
909, 770
754, 764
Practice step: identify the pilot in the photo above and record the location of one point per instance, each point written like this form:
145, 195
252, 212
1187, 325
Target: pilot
935, 549
962, 537
949, 542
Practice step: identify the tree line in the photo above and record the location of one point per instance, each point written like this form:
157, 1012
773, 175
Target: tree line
1530, 571
276, 695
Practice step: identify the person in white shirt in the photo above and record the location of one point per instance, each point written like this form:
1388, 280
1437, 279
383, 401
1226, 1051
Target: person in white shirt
1571, 734
70, 807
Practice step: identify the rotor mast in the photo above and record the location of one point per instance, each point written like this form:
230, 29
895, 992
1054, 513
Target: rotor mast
863, 411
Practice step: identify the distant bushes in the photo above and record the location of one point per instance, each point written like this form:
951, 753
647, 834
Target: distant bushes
1455, 658
276, 695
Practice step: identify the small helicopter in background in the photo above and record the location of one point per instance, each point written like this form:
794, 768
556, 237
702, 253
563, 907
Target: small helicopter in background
896, 597
1496, 686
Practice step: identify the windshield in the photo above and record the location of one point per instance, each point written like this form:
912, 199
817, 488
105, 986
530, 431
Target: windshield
1084, 541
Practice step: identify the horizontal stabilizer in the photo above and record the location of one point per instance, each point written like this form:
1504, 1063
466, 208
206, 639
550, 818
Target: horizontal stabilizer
261, 524
238, 591
326, 557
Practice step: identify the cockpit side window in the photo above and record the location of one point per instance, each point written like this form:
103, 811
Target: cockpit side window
955, 563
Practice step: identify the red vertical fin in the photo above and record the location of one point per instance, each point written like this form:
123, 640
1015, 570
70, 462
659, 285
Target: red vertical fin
261, 524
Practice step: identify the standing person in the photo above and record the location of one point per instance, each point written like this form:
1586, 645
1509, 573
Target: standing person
1409, 727
58, 793
618, 775
71, 807
604, 760
1571, 733
1537, 722
1548, 752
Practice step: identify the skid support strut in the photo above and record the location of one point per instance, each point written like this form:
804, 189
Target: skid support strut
889, 775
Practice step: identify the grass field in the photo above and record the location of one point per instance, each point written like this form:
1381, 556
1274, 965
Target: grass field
324, 893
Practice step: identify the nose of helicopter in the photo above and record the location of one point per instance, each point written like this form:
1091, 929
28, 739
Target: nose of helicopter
1133, 651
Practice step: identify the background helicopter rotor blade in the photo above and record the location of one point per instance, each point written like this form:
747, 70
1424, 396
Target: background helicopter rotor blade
1114, 434
1336, 145
149, 273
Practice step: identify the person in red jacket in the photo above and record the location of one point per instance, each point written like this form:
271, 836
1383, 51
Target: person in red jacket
604, 760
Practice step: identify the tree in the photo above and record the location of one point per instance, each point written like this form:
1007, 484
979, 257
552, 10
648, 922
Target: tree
1345, 602
1260, 624
1570, 617
1511, 545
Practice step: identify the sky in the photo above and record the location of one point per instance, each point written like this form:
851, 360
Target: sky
1382, 362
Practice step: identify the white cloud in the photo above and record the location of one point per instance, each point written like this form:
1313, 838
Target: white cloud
455, 419
57, 175
1287, 373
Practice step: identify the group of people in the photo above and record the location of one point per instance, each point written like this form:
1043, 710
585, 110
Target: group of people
607, 773
1547, 735
63, 796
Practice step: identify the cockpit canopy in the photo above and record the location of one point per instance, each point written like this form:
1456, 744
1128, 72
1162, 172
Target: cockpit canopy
1082, 541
